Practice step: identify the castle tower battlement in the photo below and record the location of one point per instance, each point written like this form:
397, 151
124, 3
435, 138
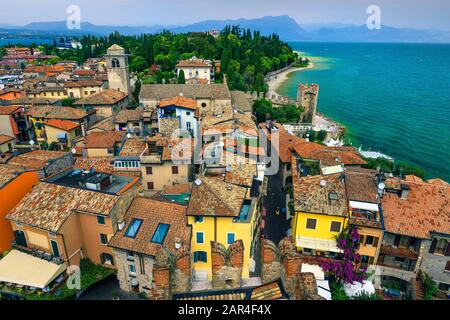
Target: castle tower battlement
307, 97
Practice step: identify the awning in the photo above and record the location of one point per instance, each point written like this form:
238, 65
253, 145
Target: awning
364, 206
317, 244
24, 269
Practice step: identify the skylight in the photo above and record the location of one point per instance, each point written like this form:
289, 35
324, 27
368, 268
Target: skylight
133, 228
160, 233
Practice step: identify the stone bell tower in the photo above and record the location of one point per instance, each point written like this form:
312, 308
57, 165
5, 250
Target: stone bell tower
117, 67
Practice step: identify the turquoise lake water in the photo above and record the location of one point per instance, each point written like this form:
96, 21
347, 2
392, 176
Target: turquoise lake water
393, 98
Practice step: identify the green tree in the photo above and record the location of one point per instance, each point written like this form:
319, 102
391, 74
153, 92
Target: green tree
181, 78
138, 64
404, 169
322, 135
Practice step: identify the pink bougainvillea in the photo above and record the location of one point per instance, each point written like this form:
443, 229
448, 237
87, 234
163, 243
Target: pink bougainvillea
345, 269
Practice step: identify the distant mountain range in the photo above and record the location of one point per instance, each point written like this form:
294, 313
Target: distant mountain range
285, 26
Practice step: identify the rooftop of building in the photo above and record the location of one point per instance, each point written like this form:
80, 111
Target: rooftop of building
91, 179
49, 205
58, 112
83, 83
166, 149
127, 115
151, 225
179, 101
133, 147
105, 97
65, 125
423, 209
361, 185
8, 173
37, 159
194, 62
7, 110
320, 194
102, 164
194, 91
212, 196
103, 139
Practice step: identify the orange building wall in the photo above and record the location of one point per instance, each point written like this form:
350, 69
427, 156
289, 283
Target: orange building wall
10, 196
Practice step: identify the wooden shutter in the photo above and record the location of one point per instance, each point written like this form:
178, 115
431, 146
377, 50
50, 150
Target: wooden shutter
397, 241
375, 241
433, 245
447, 251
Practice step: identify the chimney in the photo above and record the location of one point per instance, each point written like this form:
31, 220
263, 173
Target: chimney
404, 191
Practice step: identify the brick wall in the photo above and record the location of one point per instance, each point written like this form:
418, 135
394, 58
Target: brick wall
227, 265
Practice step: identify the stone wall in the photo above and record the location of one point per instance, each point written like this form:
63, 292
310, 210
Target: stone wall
58, 165
283, 262
144, 270
227, 265
271, 265
434, 264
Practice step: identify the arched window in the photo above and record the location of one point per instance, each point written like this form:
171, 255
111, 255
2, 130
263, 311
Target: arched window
441, 246
106, 258
115, 63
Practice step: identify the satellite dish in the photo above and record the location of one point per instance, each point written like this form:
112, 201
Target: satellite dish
228, 168
74, 150
198, 182
129, 135
323, 183
32, 142
381, 186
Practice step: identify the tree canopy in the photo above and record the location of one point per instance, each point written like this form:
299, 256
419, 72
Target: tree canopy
246, 56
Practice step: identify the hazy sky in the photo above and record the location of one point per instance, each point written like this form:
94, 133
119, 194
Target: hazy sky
401, 13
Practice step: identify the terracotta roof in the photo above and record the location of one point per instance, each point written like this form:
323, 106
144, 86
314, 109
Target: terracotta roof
100, 164
103, 139
83, 83
104, 125
241, 101
215, 197
178, 189
178, 101
361, 186
152, 213
36, 160
49, 205
196, 91
194, 62
127, 115
8, 173
426, 209
65, 125
167, 144
439, 182
310, 196
105, 97
6, 110
83, 72
5, 138
56, 112
133, 147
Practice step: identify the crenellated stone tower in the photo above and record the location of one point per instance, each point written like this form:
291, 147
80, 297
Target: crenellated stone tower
117, 67
307, 96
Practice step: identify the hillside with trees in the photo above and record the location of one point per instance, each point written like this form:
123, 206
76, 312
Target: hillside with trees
246, 56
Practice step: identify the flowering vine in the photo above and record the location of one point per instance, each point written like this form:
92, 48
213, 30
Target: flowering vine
345, 269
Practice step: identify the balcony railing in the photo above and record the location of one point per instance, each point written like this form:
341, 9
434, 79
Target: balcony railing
38, 253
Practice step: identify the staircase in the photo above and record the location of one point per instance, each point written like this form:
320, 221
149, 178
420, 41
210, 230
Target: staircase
417, 287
